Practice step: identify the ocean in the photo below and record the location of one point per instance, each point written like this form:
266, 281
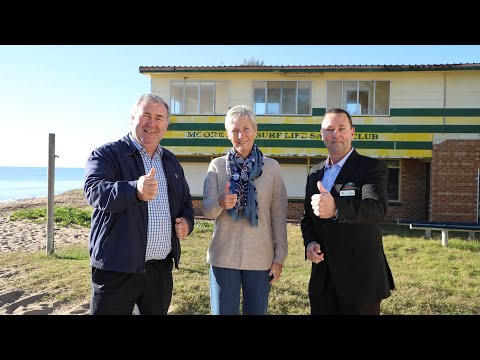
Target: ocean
17, 183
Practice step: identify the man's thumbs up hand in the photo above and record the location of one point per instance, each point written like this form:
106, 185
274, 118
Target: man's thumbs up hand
151, 173
147, 186
323, 204
321, 188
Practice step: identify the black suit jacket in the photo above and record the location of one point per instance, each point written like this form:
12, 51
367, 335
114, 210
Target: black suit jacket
354, 258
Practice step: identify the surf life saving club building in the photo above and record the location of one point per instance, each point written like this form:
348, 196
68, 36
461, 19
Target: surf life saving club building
423, 120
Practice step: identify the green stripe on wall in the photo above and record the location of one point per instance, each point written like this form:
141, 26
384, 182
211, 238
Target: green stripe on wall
196, 126
318, 111
416, 112
434, 112
462, 112
310, 144
289, 127
261, 127
417, 129
399, 128
358, 128
413, 145
462, 129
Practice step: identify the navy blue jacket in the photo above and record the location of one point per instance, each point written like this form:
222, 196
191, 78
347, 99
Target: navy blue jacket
118, 233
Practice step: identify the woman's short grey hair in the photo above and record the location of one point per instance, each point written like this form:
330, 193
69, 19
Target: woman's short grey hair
149, 98
240, 112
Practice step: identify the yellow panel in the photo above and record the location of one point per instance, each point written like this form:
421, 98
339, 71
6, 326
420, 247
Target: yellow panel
463, 120
193, 134
190, 150
397, 120
197, 119
309, 120
197, 150
268, 119
316, 120
396, 153
407, 137
290, 135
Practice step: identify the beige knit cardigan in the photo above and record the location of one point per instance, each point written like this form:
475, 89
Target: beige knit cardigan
238, 245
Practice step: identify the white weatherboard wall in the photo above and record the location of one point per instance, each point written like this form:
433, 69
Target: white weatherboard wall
295, 178
195, 175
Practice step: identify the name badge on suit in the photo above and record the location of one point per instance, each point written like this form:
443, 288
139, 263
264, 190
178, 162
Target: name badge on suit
348, 189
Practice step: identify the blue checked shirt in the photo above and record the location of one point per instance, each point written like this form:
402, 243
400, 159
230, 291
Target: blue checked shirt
331, 171
159, 231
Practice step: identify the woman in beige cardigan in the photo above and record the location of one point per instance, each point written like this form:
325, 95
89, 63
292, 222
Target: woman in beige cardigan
244, 192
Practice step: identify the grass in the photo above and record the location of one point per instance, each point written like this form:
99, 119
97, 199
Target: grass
430, 279
63, 215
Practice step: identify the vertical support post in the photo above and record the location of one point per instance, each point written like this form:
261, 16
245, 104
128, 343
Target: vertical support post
51, 192
444, 237
478, 195
428, 233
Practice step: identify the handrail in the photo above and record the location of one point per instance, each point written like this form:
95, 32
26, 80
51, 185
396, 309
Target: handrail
444, 227
448, 226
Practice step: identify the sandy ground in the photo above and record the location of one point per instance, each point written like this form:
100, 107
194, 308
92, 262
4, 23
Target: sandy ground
24, 236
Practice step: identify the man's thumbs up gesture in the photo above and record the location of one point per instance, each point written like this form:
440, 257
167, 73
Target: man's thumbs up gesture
147, 186
323, 204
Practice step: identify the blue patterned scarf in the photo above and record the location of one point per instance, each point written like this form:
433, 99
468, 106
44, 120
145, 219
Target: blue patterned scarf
242, 172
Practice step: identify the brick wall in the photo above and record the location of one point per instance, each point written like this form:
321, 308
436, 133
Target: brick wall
413, 173
197, 207
295, 210
454, 180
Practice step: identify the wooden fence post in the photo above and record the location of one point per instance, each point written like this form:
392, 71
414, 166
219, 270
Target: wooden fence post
51, 192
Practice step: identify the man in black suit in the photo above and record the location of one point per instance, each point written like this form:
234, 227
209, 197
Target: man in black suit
345, 201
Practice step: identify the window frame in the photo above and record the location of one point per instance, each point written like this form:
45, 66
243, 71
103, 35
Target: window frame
255, 89
398, 166
361, 91
181, 86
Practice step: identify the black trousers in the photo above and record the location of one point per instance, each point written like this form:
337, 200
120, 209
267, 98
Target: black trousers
116, 293
324, 300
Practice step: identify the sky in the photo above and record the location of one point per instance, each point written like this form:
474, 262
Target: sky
83, 93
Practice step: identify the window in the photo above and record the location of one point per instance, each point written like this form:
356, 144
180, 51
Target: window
282, 97
199, 97
393, 186
359, 98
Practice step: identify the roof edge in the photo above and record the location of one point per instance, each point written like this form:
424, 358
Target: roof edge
307, 68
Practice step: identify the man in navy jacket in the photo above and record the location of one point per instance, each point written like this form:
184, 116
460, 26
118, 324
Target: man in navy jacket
142, 208
345, 201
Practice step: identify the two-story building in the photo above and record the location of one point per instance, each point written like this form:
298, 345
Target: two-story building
423, 120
